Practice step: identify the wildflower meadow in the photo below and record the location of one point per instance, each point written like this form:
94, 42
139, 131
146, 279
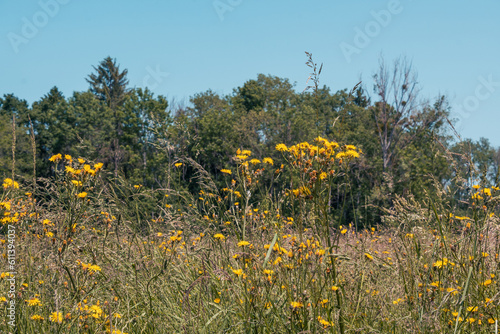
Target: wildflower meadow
95, 257
263, 211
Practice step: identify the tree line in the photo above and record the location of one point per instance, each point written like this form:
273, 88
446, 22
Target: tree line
406, 143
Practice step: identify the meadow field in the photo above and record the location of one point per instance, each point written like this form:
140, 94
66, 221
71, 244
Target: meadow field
188, 167
86, 255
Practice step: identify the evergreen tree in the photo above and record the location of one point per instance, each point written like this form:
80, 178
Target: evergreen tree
109, 85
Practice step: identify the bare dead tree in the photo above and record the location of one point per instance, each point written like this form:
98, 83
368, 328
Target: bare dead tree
397, 91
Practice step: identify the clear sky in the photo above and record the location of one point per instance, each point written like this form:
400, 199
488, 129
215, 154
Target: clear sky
179, 48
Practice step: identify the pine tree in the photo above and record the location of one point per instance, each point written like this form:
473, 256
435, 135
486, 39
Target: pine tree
109, 85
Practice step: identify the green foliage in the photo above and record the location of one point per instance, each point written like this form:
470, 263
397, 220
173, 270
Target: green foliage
15, 140
406, 147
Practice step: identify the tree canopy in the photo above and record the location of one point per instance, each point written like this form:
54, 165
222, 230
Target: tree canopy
138, 136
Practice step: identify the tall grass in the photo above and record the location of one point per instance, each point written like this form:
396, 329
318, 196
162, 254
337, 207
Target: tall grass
110, 257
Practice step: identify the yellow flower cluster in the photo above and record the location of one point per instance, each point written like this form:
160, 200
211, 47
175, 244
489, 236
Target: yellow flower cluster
34, 302
55, 157
83, 168
13, 211
302, 191
441, 263
324, 148
219, 236
9, 183
487, 192
316, 162
56, 317
91, 268
93, 311
325, 323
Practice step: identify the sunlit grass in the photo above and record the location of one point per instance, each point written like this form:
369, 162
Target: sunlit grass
91, 259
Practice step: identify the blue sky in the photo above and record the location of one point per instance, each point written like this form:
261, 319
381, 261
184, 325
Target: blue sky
179, 48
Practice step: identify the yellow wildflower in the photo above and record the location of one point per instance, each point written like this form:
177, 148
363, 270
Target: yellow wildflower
325, 323
76, 183
70, 170
268, 161
487, 282
55, 157
95, 311
296, 305
5, 205
34, 302
476, 196
440, 263
281, 148
352, 154
9, 183
238, 272
94, 268
56, 317
472, 309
